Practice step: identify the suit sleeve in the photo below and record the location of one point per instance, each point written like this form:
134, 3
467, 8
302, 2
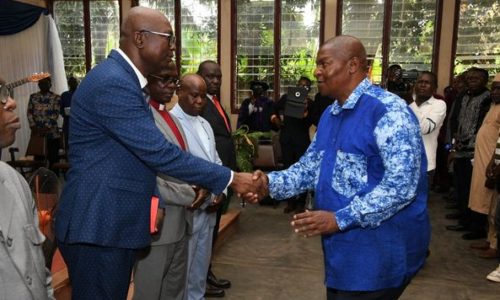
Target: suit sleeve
174, 192
122, 113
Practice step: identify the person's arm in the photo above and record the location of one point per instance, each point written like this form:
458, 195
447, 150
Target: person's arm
400, 147
56, 107
300, 177
174, 192
431, 120
123, 115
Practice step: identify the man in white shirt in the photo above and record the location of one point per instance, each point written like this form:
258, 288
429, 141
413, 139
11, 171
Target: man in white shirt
200, 142
430, 113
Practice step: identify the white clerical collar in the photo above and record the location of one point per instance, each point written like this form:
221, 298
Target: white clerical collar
142, 80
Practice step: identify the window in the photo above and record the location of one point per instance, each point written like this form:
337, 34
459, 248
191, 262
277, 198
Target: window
477, 36
88, 30
198, 39
275, 42
407, 27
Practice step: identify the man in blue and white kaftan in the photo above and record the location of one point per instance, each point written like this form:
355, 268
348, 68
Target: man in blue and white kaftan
367, 165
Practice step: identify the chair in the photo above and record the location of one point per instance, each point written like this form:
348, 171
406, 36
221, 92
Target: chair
35, 157
268, 154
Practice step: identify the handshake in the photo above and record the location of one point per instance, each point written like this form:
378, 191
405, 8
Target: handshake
252, 187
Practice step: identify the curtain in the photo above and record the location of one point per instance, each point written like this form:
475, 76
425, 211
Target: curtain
16, 17
33, 50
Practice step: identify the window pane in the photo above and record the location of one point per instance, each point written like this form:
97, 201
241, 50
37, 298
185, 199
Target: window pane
104, 28
68, 16
412, 34
165, 6
365, 20
300, 23
478, 39
199, 33
254, 45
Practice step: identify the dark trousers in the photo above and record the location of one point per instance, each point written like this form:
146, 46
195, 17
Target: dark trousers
462, 175
291, 152
385, 294
97, 272
53, 146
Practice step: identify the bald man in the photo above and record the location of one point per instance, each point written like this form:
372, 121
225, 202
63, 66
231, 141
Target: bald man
201, 142
367, 164
115, 154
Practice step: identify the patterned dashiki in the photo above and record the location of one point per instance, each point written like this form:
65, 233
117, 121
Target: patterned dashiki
367, 164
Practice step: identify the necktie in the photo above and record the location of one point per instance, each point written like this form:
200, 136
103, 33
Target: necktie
170, 122
221, 112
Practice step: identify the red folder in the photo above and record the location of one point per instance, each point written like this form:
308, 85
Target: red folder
154, 213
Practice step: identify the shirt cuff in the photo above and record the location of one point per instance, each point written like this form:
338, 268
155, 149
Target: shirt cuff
230, 181
346, 218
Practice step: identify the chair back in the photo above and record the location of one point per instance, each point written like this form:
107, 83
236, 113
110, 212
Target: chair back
37, 146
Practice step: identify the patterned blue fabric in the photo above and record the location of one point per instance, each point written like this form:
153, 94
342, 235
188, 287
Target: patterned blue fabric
367, 164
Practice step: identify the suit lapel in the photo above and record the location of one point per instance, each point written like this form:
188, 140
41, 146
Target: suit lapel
190, 130
214, 112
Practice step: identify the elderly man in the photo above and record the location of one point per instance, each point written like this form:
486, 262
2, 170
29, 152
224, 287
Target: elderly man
160, 272
22, 264
367, 165
201, 142
115, 154
430, 113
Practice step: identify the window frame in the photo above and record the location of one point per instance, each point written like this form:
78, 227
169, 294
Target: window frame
178, 32
86, 26
386, 32
277, 48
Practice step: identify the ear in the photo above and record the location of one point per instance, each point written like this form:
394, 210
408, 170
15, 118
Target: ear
353, 65
139, 39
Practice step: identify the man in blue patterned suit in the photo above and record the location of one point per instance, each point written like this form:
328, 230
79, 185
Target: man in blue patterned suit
367, 165
115, 154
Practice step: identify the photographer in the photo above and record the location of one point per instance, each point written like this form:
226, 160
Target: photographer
294, 133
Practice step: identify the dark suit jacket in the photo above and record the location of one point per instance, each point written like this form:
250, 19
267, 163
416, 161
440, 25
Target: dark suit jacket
115, 153
223, 141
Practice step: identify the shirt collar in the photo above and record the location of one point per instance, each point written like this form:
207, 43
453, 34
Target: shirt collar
352, 99
142, 80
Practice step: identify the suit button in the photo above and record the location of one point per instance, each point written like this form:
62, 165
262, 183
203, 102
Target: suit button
29, 280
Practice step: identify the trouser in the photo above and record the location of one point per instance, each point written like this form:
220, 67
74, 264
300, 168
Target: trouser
492, 232
97, 272
385, 294
53, 150
291, 152
161, 270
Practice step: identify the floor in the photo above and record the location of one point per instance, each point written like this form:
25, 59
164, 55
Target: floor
265, 260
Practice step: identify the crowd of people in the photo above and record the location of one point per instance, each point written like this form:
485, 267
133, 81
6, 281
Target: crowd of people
147, 186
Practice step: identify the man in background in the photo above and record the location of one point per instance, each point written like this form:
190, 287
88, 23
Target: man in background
43, 112
430, 113
201, 142
219, 120
294, 137
66, 106
160, 272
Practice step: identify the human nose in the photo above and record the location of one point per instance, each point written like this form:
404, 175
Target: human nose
11, 104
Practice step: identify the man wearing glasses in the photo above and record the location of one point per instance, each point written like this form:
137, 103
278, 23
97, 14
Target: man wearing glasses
160, 272
116, 152
22, 264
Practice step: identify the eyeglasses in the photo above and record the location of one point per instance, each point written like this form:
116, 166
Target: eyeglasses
169, 36
166, 80
4, 94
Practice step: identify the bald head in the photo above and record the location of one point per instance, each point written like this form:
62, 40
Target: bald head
192, 94
144, 39
346, 47
340, 66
